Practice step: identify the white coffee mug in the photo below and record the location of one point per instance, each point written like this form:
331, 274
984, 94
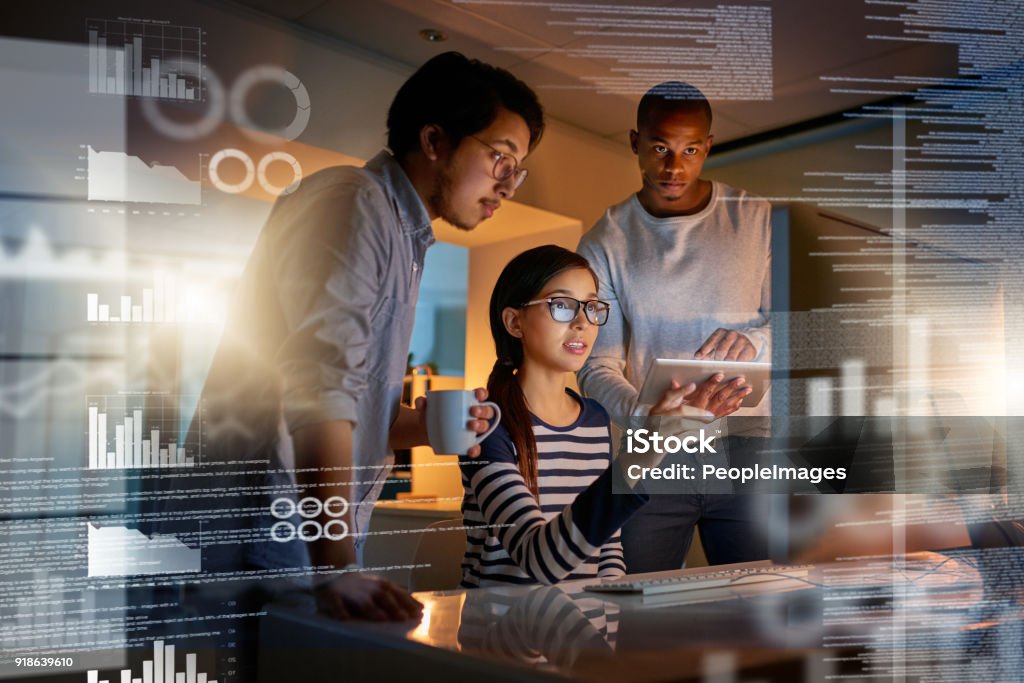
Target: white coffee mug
447, 415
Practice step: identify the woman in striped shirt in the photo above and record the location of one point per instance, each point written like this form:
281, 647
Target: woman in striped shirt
538, 503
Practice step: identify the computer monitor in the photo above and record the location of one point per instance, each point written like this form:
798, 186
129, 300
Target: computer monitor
868, 322
890, 353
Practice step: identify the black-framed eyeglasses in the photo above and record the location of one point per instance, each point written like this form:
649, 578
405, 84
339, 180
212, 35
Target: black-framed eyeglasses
505, 166
564, 309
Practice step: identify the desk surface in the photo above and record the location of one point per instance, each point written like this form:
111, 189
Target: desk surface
920, 615
444, 508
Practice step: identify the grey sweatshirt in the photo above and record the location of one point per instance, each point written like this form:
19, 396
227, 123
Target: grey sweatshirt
672, 282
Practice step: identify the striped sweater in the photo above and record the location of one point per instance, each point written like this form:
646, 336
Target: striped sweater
571, 533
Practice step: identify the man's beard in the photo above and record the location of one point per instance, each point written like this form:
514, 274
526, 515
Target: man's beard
441, 200
661, 194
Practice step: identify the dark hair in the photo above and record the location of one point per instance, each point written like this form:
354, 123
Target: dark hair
460, 95
672, 96
521, 281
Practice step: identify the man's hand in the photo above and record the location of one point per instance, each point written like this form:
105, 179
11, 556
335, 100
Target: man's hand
482, 415
726, 344
357, 595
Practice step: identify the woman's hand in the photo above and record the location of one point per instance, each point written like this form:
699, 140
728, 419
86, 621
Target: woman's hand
673, 402
714, 396
706, 401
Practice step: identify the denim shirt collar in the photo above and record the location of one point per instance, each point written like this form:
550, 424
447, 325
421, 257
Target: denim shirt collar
412, 214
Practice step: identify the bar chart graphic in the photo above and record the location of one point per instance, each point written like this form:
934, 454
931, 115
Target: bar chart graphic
145, 59
145, 431
120, 551
119, 177
165, 301
160, 669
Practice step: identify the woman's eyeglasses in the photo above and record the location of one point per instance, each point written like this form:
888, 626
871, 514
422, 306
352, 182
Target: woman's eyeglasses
564, 309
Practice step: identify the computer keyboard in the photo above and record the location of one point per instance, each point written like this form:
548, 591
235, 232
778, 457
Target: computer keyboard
743, 576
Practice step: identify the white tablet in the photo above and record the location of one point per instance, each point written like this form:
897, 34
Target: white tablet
664, 370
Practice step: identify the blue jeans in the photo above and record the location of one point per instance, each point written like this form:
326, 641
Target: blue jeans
659, 535
732, 526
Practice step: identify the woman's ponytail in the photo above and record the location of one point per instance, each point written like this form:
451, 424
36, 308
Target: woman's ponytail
503, 388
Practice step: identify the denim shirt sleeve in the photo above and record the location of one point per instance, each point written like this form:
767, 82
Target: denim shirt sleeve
330, 266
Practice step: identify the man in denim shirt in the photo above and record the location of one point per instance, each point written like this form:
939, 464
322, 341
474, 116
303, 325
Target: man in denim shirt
309, 374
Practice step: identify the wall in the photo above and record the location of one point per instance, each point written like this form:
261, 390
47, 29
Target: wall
578, 174
780, 170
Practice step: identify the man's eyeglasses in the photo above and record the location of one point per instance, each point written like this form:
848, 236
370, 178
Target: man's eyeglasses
564, 309
505, 166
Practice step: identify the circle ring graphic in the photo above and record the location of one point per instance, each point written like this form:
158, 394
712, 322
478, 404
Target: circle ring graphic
340, 501
342, 534
282, 515
220, 184
269, 73
282, 525
261, 173
318, 507
307, 525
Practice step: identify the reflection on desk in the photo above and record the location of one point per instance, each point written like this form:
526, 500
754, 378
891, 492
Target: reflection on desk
922, 615
547, 627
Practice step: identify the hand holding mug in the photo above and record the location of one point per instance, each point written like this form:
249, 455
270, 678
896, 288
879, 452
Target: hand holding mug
458, 421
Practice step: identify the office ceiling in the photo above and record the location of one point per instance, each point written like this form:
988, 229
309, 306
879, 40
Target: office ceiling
561, 48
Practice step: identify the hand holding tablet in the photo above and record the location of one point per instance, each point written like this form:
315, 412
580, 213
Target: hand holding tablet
666, 370
726, 344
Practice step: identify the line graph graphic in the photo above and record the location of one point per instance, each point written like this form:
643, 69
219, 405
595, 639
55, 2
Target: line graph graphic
38, 258
56, 381
119, 177
120, 551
